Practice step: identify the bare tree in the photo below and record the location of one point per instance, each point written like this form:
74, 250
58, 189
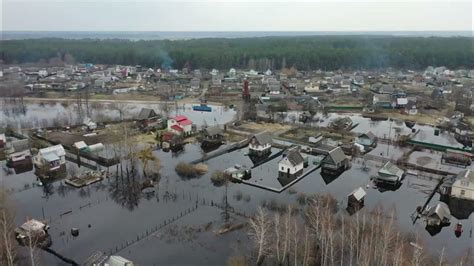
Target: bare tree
7, 226
32, 243
120, 107
260, 227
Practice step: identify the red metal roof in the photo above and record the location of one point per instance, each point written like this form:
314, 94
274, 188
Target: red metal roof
186, 122
179, 118
177, 128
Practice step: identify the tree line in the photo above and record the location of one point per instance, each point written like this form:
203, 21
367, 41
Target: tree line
305, 52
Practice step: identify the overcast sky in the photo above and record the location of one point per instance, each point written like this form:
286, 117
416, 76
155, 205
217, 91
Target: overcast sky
237, 15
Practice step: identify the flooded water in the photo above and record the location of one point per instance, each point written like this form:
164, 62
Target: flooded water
37, 115
109, 217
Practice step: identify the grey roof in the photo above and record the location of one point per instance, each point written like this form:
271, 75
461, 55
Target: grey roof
467, 174
294, 156
358, 193
263, 138
212, 131
146, 113
389, 169
369, 135
441, 210
336, 155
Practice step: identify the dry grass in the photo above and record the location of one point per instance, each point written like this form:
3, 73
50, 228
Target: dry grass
145, 138
270, 127
201, 168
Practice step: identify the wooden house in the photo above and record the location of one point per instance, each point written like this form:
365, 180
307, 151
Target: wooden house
148, 118
389, 174
463, 186
368, 140
51, 158
335, 162
212, 137
260, 144
291, 164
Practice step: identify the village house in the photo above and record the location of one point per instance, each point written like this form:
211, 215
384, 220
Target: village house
335, 162
148, 118
195, 83
291, 165
51, 158
273, 86
389, 174
368, 140
260, 144
463, 187
382, 101
212, 137
399, 99
19, 158
180, 124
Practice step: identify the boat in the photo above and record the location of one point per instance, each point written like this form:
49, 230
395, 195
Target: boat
202, 107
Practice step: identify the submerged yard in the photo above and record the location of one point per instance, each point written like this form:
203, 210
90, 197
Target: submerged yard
186, 220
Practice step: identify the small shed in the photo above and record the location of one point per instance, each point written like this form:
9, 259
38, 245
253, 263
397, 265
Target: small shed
438, 215
80, 145
33, 231
356, 198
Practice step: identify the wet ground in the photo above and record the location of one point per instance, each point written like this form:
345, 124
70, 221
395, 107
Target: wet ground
118, 217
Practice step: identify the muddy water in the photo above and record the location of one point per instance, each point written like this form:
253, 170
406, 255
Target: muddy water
117, 216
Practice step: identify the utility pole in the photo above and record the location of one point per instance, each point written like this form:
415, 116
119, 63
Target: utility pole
389, 137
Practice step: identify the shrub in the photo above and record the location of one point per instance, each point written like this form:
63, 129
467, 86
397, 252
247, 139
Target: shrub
218, 178
200, 168
189, 170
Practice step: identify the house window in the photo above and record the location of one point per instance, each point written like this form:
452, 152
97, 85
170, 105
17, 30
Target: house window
463, 192
282, 168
